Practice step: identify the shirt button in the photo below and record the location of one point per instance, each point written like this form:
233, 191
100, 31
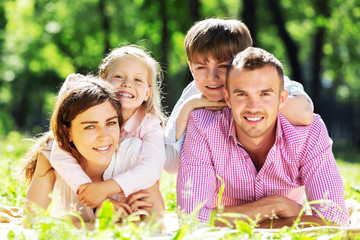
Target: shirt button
258, 180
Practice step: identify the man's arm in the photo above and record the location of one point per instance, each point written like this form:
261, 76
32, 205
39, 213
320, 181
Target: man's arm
321, 176
196, 182
263, 210
305, 221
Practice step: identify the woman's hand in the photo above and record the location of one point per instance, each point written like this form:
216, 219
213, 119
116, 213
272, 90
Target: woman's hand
137, 201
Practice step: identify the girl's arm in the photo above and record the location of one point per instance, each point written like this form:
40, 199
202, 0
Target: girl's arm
41, 185
67, 167
148, 167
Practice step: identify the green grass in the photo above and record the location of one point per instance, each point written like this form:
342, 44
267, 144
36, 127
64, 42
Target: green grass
12, 193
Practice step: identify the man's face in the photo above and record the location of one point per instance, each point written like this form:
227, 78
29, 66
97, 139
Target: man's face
209, 74
255, 98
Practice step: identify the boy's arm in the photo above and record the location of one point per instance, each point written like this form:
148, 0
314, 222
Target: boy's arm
298, 109
195, 102
67, 167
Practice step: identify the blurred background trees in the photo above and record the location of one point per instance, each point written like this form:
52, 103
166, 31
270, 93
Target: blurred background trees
42, 41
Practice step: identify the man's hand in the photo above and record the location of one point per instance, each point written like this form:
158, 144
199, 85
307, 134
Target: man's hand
285, 207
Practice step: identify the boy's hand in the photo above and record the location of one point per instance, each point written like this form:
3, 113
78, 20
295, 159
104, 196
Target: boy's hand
195, 102
94, 193
200, 101
136, 200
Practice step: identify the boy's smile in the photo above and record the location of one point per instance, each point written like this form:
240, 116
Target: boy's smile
209, 74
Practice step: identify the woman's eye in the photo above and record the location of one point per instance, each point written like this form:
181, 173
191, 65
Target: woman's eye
90, 127
112, 123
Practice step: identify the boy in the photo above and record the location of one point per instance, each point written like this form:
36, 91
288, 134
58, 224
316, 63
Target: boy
210, 46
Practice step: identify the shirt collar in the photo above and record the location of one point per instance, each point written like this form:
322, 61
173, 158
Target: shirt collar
133, 122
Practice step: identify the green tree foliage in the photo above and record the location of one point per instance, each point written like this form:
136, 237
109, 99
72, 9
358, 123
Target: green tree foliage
42, 41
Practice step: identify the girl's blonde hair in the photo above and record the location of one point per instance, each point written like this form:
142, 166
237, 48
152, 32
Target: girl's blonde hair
75, 96
153, 104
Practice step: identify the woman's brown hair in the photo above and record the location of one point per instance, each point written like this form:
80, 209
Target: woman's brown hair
75, 96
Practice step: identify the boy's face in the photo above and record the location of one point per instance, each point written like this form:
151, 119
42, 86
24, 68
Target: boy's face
209, 75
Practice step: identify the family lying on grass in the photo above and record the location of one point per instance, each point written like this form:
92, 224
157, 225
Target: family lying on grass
254, 131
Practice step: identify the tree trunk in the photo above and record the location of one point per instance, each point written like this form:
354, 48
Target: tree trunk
164, 51
248, 16
105, 21
321, 7
291, 47
195, 16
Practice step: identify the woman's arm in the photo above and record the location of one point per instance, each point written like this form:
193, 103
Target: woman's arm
41, 185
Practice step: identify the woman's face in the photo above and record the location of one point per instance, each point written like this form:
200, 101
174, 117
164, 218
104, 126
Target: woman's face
95, 133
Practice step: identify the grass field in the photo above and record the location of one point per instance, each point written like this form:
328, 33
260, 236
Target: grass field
13, 147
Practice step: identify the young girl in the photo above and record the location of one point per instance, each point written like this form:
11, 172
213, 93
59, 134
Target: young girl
135, 76
86, 124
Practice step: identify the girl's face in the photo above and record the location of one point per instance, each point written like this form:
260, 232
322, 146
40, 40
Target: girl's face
95, 133
130, 76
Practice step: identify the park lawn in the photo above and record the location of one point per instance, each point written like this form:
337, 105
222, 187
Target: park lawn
12, 193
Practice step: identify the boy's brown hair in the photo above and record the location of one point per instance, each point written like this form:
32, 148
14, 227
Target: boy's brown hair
223, 39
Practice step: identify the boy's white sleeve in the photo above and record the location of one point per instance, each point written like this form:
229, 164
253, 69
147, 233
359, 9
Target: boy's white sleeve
172, 159
148, 168
67, 167
173, 147
295, 88
170, 130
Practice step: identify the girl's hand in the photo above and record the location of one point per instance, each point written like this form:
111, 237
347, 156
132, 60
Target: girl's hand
137, 201
91, 194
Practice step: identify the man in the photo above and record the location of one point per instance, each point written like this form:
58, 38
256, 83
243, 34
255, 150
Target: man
268, 165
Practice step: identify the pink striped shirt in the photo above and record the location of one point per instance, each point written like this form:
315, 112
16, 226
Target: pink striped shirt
300, 164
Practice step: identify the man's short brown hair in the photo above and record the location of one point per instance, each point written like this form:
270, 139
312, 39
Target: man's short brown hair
221, 38
255, 58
